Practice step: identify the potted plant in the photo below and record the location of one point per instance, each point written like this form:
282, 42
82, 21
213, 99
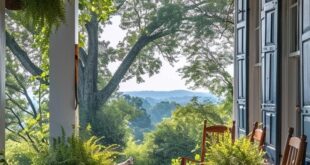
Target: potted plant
241, 152
39, 12
225, 152
13, 4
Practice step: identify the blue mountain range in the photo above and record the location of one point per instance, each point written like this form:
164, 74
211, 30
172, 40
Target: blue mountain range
179, 96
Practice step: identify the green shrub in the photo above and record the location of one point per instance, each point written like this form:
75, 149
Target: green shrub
139, 152
23, 153
179, 135
223, 152
112, 122
74, 151
242, 152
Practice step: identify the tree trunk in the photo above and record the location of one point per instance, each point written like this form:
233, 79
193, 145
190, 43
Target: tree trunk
92, 100
88, 84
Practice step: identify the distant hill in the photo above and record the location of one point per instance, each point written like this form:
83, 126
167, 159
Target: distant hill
179, 96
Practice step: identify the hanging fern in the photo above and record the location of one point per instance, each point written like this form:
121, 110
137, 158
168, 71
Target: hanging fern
44, 12
39, 13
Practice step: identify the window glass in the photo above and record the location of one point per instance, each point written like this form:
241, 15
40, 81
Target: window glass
293, 26
257, 31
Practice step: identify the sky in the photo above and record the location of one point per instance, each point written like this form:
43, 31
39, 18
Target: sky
167, 79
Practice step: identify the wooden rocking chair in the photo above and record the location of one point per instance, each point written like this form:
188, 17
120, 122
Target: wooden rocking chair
217, 130
258, 135
295, 148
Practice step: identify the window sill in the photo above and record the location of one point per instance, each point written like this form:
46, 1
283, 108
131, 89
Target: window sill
258, 65
294, 54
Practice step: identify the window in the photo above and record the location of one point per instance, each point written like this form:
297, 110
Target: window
293, 28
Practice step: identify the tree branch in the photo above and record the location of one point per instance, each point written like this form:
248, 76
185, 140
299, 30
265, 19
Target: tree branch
11, 86
104, 94
22, 56
26, 132
120, 4
25, 92
17, 133
138, 15
18, 105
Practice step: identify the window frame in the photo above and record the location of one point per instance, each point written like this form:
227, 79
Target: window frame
291, 52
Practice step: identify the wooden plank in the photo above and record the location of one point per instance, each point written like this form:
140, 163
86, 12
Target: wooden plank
295, 142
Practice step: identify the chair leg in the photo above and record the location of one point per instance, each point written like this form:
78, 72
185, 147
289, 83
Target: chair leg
183, 161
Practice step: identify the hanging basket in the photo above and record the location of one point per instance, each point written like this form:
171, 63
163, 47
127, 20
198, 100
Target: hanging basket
14, 4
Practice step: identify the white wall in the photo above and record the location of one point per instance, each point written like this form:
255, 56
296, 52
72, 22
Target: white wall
290, 75
254, 68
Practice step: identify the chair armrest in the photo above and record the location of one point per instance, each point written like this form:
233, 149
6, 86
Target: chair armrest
184, 159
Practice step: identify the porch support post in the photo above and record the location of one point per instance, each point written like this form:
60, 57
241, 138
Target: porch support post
62, 75
2, 76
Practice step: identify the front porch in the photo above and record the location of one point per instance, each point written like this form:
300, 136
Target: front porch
271, 59
62, 120
271, 74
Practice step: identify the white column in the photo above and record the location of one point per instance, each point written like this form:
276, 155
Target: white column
2, 76
62, 82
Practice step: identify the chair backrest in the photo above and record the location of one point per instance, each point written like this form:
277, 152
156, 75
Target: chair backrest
294, 152
258, 135
215, 130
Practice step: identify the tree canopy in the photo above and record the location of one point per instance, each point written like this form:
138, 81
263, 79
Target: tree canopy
200, 30
179, 135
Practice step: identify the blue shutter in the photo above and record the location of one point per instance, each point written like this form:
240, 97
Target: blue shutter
241, 64
305, 69
270, 78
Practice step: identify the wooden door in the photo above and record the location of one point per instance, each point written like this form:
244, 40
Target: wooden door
270, 78
241, 64
305, 70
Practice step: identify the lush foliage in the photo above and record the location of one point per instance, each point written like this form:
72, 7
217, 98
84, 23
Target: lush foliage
43, 13
23, 153
240, 153
176, 136
200, 30
138, 151
142, 123
210, 53
161, 110
171, 27
156, 30
74, 151
67, 151
224, 152
112, 121
26, 105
